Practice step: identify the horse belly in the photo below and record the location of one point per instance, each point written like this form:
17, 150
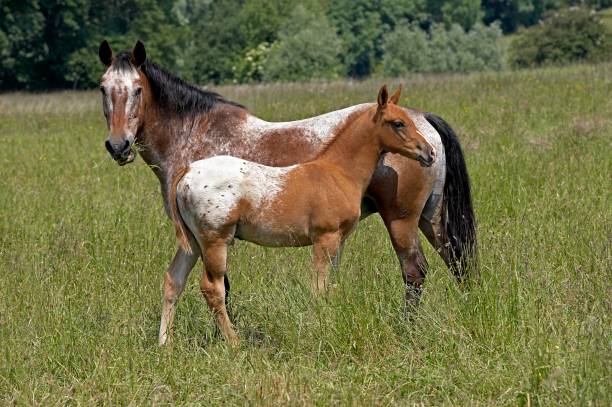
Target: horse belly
271, 235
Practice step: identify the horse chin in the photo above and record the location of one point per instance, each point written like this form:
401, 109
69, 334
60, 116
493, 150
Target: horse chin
130, 157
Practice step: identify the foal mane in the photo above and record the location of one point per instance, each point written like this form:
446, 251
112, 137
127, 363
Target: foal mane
171, 92
350, 119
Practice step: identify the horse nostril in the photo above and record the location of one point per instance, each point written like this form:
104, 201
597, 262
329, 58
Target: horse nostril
109, 147
433, 152
126, 145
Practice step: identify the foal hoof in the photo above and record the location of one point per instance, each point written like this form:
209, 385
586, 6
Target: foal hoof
233, 342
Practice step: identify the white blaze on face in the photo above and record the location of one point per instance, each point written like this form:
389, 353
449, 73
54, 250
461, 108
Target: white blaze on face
118, 85
213, 188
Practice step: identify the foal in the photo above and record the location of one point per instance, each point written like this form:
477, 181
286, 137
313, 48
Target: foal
315, 203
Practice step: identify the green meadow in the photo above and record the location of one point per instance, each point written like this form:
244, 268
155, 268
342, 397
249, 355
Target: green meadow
84, 245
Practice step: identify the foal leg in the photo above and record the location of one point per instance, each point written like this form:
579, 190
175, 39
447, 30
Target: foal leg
326, 247
335, 261
213, 287
174, 283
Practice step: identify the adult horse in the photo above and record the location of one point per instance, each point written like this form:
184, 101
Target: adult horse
174, 124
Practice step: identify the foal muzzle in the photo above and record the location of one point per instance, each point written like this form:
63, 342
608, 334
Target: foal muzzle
426, 156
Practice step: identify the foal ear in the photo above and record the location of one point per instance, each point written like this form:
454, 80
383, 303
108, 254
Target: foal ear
105, 53
396, 96
139, 55
383, 97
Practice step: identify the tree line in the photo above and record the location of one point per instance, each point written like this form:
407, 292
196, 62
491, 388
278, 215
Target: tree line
49, 44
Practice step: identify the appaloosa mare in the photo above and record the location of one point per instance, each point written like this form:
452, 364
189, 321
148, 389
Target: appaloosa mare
174, 124
315, 203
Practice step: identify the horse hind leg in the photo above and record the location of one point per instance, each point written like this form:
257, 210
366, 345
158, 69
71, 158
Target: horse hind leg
213, 287
174, 283
405, 239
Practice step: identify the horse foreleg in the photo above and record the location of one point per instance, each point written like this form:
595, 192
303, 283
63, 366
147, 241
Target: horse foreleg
213, 287
326, 247
174, 283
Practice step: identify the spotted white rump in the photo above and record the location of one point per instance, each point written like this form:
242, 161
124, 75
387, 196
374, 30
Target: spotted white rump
213, 188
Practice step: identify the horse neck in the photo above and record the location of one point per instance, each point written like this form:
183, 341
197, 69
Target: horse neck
354, 151
162, 135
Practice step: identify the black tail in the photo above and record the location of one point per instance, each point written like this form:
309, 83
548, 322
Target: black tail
457, 210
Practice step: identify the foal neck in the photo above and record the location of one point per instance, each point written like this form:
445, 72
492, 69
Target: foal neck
355, 150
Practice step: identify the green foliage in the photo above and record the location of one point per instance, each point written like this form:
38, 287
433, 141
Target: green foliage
222, 33
567, 36
251, 67
53, 43
513, 13
360, 27
24, 52
466, 13
216, 44
307, 47
156, 23
410, 49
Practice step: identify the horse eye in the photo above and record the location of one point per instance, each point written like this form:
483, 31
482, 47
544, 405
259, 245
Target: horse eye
138, 91
398, 124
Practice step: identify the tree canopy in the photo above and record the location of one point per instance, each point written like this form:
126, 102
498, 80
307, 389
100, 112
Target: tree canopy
46, 44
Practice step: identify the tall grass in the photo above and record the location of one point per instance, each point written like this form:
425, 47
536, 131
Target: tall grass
84, 244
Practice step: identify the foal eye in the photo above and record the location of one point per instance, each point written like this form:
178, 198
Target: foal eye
398, 124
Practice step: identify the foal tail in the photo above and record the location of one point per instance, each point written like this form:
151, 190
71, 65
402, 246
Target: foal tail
458, 218
180, 228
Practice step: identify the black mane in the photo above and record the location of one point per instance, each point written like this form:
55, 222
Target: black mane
172, 92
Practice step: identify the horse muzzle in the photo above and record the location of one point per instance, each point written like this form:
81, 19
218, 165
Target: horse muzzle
121, 151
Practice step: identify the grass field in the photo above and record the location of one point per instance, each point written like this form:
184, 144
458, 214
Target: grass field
84, 244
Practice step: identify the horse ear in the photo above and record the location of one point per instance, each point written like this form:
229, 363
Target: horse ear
105, 53
383, 97
139, 55
396, 95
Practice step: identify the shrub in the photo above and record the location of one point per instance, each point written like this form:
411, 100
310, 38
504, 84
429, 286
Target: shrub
251, 66
308, 47
410, 49
570, 35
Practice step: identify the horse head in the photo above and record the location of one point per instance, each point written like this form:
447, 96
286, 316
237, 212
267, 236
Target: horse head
123, 87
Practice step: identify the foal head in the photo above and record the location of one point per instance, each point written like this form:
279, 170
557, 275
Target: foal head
123, 86
397, 132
